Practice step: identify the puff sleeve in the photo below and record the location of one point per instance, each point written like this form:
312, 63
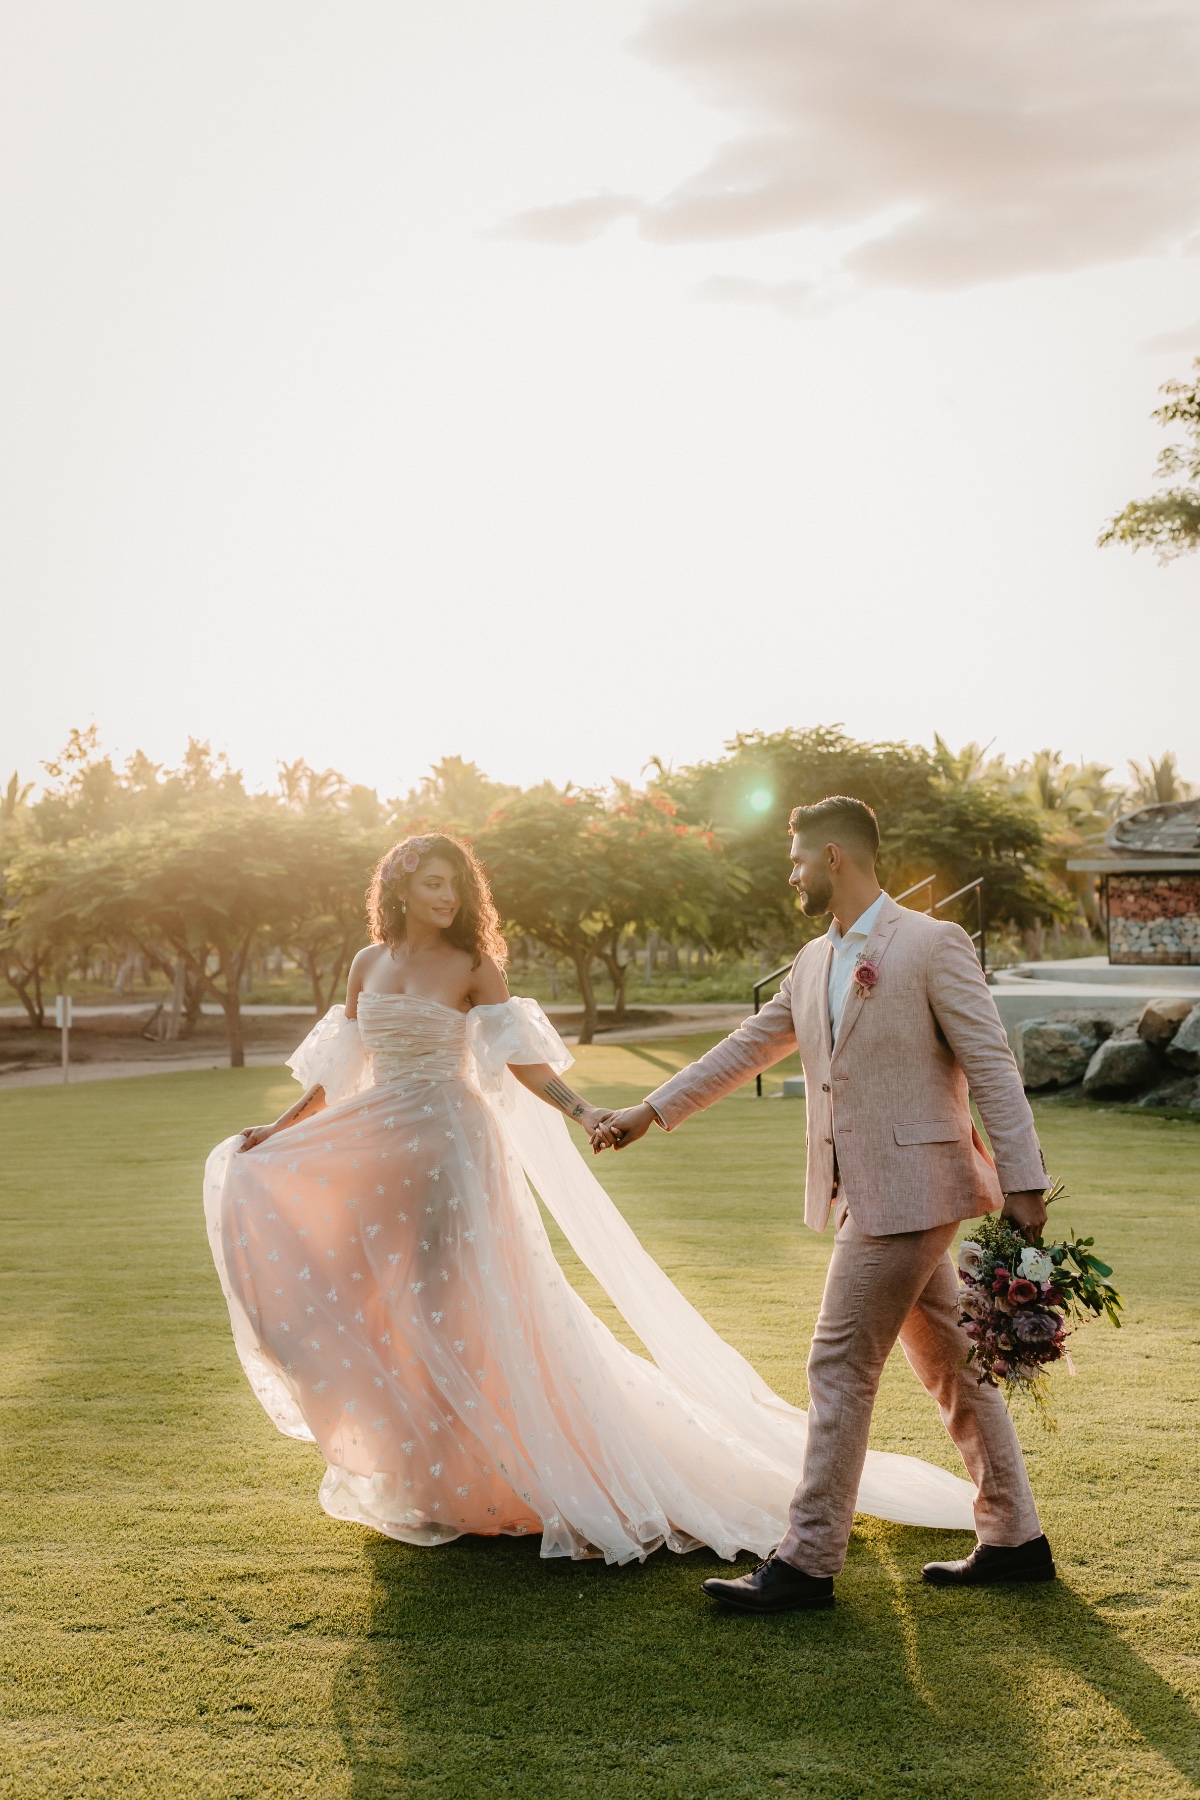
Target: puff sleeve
517, 1031
332, 1056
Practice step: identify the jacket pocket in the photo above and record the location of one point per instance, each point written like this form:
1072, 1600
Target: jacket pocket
938, 1132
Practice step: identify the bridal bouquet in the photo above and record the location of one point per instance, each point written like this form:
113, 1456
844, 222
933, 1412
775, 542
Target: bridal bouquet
1016, 1301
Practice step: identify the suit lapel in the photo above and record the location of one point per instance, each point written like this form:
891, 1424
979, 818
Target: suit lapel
873, 951
810, 1001
821, 976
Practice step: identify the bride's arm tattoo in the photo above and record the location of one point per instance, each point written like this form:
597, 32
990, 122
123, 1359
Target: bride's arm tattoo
559, 1094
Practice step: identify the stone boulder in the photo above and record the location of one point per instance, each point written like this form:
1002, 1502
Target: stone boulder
1054, 1053
1122, 1065
1184, 1048
1161, 1019
1185, 1092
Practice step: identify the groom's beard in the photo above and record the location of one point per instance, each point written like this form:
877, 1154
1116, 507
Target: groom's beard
816, 897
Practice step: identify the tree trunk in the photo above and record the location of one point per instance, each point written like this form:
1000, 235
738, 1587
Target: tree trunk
230, 969
178, 999
583, 975
19, 981
193, 997
617, 974
313, 969
231, 1005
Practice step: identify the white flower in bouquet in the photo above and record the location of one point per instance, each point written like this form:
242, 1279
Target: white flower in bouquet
970, 1257
1035, 1265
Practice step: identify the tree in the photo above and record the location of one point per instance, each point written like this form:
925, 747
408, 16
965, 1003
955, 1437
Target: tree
1158, 783
330, 857
984, 830
1074, 804
1169, 522
41, 937
200, 888
582, 873
540, 856
14, 799
25, 956
939, 814
656, 873
455, 796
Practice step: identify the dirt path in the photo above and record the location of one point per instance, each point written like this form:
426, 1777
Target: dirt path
107, 1044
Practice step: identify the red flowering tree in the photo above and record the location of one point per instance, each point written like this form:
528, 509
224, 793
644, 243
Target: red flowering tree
582, 874
657, 874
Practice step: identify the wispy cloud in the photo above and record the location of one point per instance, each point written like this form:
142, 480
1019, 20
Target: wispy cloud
996, 137
1186, 338
572, 222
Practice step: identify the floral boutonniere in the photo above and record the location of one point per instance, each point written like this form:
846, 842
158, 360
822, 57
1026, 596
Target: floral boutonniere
865, 976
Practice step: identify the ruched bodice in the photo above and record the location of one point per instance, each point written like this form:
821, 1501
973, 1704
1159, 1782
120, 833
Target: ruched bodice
404, 1039
412, 1039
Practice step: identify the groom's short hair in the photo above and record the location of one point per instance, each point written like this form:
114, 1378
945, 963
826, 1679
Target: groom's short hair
840, 819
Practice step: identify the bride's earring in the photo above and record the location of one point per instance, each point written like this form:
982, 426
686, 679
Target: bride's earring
404, 906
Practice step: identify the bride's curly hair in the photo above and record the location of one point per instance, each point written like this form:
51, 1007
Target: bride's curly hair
476, 926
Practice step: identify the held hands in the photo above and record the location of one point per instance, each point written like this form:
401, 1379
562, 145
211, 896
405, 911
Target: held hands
594, 1120
620, 1129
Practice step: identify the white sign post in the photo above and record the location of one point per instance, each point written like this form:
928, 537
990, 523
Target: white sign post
63, 1013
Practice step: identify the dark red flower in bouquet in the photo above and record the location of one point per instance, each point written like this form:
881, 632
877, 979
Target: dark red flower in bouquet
1021, 1292
1000, 1281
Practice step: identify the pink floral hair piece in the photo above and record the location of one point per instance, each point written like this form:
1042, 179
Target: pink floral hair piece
405, 859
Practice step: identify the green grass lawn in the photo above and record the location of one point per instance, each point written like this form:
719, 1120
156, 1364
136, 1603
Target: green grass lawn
179, 1617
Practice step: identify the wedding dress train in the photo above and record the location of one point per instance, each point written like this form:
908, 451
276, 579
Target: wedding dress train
394, 1297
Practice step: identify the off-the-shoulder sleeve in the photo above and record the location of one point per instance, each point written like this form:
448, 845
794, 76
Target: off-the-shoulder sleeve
332, 1055
517, 1031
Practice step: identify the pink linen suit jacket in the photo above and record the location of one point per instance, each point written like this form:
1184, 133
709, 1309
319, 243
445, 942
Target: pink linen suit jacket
892, 1097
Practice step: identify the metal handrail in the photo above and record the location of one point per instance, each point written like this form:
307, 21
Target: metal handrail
915, 889
978, 937
935, 906
758, 988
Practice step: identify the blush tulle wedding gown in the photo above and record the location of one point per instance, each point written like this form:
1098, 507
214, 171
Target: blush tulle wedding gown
394, 1297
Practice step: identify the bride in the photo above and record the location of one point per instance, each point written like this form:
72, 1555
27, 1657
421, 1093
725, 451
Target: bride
394, 1295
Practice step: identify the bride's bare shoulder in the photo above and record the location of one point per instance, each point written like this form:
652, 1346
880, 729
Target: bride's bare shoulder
367, 957
488, 986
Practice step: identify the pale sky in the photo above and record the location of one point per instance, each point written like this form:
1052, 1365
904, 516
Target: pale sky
564, 384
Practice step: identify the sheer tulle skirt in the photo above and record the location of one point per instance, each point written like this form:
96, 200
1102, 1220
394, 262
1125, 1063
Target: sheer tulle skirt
394, 1297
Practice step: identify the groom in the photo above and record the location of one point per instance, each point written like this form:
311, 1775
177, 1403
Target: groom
894, 1024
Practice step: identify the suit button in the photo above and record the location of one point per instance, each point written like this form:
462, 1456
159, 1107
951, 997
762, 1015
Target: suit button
824, 1087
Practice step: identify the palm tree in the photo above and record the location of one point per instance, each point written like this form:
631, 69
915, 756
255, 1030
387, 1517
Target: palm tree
960, 768
13, 799
1077, 805
1158, 783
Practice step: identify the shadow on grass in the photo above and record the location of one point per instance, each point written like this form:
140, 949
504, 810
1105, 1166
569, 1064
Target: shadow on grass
485, 1671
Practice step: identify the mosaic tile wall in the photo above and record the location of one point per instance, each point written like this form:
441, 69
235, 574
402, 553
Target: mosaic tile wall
1154, 918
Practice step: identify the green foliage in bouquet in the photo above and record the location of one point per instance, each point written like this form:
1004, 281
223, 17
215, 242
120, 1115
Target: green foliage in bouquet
1016, 1298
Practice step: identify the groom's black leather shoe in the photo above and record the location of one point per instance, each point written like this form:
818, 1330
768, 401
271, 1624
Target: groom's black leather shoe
990, 1563
773, 1587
